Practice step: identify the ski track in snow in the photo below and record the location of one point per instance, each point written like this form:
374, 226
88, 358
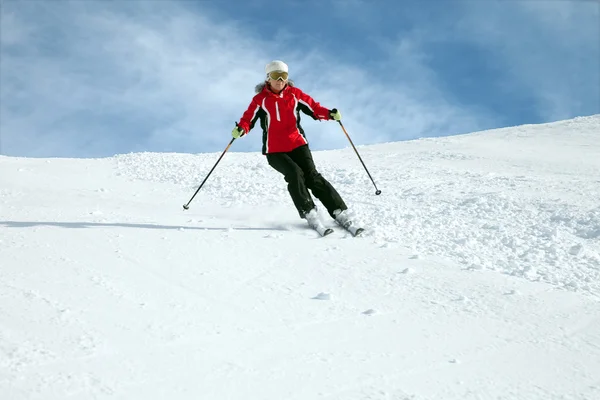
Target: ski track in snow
477, 277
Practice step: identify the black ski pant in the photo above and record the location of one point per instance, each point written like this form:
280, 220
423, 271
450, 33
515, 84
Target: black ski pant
299, 171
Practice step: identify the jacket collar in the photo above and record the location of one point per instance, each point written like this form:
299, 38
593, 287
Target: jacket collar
270, 93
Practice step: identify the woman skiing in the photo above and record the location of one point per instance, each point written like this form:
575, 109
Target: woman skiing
277, 106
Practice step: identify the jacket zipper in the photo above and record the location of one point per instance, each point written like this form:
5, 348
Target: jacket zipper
277, 109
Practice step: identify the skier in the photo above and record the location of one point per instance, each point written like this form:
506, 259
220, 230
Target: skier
277, 104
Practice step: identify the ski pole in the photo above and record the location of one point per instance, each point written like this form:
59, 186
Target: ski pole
187, 206
377, 191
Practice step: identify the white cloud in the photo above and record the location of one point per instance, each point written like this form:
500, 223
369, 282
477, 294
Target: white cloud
93, 78
178, 76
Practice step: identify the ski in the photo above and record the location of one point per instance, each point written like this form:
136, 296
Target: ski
343, 219
354, 230
323, 231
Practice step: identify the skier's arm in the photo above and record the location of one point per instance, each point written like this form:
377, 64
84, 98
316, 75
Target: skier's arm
250, 116
311, 107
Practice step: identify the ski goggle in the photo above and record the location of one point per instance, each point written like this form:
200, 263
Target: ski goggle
278, 75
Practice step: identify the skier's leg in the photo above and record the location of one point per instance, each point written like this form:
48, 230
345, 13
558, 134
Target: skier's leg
294, 177
320, 187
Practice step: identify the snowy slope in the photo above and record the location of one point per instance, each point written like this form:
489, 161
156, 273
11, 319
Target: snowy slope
478, 278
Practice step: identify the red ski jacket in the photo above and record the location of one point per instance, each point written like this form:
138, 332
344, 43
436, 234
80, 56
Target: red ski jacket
279, 116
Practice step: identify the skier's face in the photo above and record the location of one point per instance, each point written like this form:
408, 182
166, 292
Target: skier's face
277, 85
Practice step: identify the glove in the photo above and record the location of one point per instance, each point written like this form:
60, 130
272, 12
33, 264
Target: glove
238, 132
335, 114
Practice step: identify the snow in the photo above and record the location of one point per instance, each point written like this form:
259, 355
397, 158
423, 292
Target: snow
478, 276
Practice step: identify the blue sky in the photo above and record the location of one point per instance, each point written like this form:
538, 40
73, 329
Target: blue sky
98, 78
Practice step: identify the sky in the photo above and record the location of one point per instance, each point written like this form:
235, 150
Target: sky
98, 78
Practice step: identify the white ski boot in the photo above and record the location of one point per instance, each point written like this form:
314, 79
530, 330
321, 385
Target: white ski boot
344, 219
314, 221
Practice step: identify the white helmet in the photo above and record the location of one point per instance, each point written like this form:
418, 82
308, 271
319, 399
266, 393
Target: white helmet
276, 65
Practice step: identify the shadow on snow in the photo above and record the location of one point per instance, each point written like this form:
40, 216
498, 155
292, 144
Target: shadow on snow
81, 225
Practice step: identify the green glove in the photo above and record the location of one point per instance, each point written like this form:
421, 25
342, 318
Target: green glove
237, 132
335, 114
